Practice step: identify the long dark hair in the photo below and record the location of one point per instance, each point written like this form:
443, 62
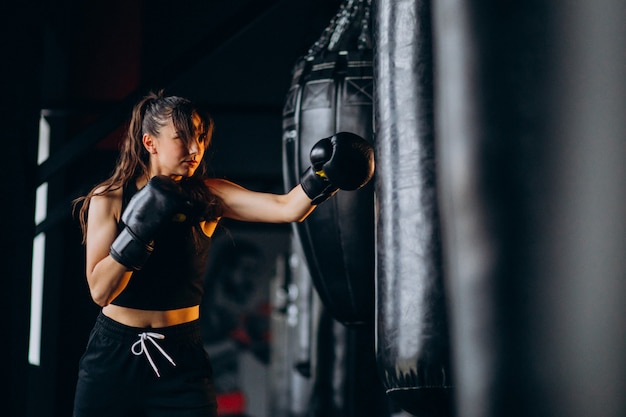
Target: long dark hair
149, 115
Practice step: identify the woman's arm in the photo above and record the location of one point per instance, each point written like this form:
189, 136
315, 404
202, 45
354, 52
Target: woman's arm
242, 204
106, 277
343, 161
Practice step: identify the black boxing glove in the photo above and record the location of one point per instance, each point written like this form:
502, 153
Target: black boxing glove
161, 200
344, 161
203, 205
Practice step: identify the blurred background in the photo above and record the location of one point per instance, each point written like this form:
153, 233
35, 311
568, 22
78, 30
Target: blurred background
500, 194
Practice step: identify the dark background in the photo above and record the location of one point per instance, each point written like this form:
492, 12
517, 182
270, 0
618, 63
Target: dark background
545, 76
81, 65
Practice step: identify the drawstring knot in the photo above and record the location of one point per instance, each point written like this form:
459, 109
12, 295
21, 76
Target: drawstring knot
139, 347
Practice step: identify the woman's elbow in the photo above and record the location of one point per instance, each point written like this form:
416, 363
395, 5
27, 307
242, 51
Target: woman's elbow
100, 294
99, 297
106, 280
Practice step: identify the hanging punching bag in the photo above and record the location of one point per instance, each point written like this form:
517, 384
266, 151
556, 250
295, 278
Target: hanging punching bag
331, 91
531, 144
412, 346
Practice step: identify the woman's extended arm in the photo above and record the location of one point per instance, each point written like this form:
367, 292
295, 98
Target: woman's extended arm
240, 203
343, 161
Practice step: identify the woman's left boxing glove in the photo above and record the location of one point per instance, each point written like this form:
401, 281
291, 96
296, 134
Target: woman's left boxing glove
344, 161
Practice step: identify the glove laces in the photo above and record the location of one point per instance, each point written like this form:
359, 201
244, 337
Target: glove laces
139, 347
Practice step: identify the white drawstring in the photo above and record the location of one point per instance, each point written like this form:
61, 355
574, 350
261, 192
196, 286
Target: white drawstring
141, 344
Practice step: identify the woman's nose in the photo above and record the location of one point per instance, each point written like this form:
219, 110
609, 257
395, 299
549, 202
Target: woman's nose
194, 147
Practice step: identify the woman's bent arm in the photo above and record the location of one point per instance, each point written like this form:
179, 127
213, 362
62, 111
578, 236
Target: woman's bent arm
106, 277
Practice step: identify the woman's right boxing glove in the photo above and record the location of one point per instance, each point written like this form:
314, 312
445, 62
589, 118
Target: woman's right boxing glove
159, 201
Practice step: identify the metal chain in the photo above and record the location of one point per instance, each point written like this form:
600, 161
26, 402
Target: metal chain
350, 12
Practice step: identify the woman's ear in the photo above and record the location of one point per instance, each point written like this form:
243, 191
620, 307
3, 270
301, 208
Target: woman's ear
148, 143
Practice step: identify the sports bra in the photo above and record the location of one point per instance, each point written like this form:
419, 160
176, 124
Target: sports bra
173, 276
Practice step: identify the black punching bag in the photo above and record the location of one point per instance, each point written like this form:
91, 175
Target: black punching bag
531, 144
412, 345
331, 91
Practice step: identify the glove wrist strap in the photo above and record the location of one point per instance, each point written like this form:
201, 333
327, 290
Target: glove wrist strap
317, 188
129, 251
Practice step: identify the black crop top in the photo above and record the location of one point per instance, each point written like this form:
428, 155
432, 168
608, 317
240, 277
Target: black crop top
173, 276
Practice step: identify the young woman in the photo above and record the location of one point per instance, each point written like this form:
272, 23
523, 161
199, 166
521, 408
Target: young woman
147, 232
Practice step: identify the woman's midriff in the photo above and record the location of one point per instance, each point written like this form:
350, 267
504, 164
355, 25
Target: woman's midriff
149, 318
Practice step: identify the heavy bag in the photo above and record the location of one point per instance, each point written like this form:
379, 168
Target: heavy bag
331, 91
412, 346
531, 149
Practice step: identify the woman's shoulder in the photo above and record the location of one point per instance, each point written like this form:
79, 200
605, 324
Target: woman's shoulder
106, 204
108, 192
108, 198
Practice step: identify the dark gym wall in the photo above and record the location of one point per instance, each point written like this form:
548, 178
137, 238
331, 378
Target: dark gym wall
21, 48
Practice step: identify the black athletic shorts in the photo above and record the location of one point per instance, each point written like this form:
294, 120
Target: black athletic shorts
150, 372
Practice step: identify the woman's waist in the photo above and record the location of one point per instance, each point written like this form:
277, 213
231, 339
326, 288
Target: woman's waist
133, 317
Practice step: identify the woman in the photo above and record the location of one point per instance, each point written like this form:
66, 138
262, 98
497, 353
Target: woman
147, 231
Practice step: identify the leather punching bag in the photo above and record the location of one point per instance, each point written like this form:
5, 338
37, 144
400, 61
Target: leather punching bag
412, 344
531, 145
331, 91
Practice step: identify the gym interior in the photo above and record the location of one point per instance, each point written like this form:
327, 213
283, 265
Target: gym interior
481, 273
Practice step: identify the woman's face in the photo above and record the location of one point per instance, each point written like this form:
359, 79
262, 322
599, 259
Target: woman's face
169, 153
